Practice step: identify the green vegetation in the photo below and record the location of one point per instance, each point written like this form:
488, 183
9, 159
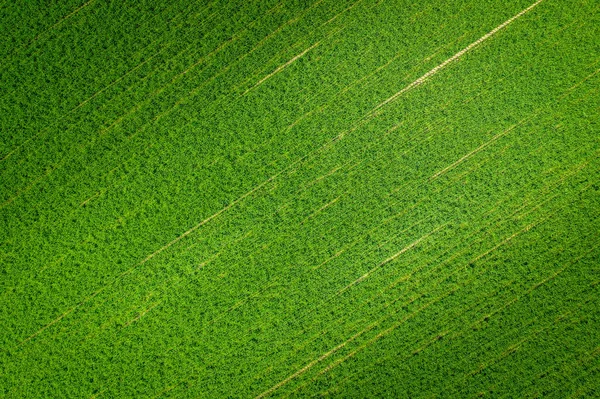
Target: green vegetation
294, 199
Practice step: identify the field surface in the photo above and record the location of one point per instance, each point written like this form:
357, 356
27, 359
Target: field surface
233, 199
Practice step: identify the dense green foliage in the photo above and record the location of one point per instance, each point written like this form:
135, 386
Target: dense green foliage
255, 199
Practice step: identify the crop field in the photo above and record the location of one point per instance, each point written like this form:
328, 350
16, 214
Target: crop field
286, 198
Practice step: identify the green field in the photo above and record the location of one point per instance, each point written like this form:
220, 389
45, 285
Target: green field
354, 199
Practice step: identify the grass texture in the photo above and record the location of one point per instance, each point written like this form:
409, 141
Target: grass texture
230, 199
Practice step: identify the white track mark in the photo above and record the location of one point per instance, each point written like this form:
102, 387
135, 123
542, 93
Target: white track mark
508, 239
475, 151
280, 68
388, 260
312, 215
90, 198
456, 56
309, 365
141, 314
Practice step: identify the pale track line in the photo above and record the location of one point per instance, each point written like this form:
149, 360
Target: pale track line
261, 43
526, 292
141, 314
25, 45
388, 260
355, 83
575, 86
315, 213
455, 57
280, 68
476, 150
203, 222
91, 198
509, 239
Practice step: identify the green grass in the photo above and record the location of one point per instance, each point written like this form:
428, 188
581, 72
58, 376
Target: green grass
216, 199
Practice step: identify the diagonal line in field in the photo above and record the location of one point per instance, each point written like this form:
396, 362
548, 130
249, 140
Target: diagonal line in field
318, 360
455, 57
388, 260
475, 151
281, 67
